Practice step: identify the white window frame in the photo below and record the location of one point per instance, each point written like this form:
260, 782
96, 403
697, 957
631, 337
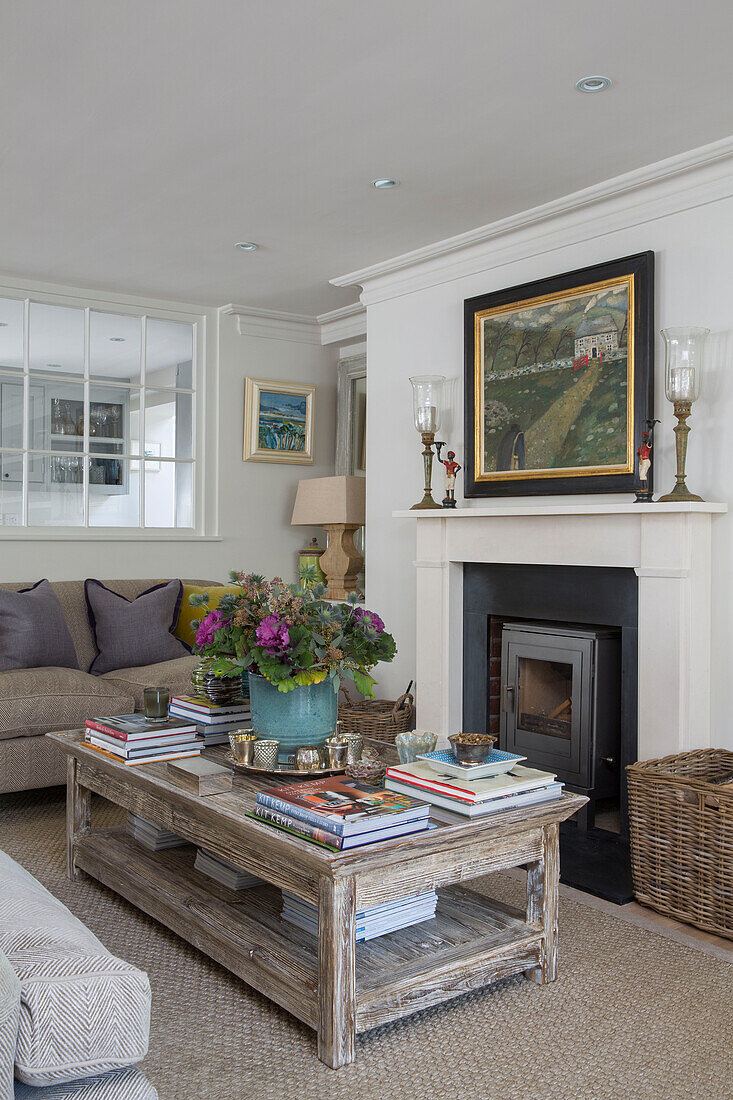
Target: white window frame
126, 307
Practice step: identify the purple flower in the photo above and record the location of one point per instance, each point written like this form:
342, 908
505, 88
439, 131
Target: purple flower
208, 627
273, 635
369, 620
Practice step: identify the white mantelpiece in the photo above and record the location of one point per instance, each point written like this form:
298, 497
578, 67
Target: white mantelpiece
667, 545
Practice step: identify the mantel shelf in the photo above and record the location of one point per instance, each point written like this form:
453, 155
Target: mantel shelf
625, 508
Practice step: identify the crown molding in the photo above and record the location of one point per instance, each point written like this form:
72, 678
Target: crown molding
346, 323
272, 324
677, 183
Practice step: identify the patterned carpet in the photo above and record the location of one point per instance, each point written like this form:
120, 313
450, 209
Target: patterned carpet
633, 1015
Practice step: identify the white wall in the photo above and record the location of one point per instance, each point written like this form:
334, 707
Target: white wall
248, 504
415, 325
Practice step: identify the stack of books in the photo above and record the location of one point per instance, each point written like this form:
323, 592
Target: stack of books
378, 920
449, 795
132, 739
214, 723
152, 836
222, 871
341, 813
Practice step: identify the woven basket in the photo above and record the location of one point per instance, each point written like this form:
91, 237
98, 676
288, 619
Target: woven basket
681, 823
379, 718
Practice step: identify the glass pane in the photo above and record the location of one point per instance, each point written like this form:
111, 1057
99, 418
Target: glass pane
65, 422
168, 353
56, 339
114, 347
11, 335
114, 420
168, 494
114, 493
11, 414
545, 697
168, 424
59, 500
11, 500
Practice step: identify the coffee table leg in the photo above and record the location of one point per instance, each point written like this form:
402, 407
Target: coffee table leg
543, 880
336, 972
78, 814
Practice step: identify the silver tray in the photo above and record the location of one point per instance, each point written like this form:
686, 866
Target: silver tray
281, 769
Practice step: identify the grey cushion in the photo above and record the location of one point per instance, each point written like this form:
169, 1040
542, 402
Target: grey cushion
37, 700
82, 1011
129, 633
9, 1016
121, 1084
33, 630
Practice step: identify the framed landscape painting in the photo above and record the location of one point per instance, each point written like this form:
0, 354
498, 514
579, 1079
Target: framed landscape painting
278, 421
559, 381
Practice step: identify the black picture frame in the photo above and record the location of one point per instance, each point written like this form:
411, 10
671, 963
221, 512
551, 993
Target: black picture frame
479, 483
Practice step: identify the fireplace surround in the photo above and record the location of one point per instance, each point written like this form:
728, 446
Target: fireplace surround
666, 547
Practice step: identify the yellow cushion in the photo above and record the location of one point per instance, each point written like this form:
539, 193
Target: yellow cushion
188, 615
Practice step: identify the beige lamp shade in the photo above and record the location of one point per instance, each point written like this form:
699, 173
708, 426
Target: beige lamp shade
325, 500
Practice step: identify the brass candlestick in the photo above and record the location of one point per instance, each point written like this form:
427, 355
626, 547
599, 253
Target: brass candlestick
682, 410
428, 439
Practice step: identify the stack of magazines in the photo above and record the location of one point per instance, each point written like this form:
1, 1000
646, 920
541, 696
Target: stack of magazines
378, 920
213, 722
151, 836
133, 739
449, 795
341, 813
222, 871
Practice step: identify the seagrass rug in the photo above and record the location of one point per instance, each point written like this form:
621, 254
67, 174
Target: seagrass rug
632, 1015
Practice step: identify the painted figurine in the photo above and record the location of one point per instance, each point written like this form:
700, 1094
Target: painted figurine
451, 469
644, 454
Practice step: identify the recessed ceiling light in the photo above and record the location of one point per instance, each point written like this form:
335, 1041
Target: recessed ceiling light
384, 183
3, 324
117, 339
54, 366
593, 83
246, 246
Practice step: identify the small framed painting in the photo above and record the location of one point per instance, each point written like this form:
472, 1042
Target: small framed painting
559, 381
278, 421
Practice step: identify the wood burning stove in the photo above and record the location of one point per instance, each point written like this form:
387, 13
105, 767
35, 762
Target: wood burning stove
561, 703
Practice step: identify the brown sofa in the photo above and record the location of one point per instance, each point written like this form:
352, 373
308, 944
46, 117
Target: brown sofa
34, 701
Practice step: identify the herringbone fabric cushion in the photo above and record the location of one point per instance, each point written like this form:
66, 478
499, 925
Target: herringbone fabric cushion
83, 1011
174, 675
121, 1084
28, 762
38, 700
9, 1014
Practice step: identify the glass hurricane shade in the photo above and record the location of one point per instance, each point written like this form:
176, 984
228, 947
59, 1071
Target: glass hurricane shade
684, 349
427, 401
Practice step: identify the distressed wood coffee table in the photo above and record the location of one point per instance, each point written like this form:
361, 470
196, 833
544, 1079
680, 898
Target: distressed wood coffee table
333, 985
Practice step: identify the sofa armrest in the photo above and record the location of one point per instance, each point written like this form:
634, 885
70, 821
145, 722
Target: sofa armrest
9, 1016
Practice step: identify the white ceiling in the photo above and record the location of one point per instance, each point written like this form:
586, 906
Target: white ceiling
141, 140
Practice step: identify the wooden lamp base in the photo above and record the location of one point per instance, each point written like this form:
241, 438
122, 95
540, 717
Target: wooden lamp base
341, 561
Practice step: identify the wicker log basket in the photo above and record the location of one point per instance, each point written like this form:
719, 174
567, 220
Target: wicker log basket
681, 823
378, 721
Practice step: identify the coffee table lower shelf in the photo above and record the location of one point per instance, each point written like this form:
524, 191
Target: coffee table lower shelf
472, 941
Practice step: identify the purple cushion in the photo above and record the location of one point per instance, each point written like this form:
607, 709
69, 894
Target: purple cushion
33, 630
129, 633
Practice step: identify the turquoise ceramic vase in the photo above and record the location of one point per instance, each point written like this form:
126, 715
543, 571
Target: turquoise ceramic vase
303, 716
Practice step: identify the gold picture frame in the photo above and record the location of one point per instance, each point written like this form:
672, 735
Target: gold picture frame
278, 421
558, 381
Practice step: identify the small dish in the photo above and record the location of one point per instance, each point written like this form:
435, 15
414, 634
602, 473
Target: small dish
498, 763
369, 771
473, 748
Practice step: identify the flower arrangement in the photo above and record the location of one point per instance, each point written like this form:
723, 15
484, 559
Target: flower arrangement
291, 635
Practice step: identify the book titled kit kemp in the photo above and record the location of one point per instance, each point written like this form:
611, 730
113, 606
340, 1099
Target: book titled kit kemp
343, 806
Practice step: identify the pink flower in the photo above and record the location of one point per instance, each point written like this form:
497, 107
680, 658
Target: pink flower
273, 635
368, 619
208, 627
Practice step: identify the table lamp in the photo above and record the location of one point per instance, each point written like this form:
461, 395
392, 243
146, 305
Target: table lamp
337, 504
682, 376
427, 403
